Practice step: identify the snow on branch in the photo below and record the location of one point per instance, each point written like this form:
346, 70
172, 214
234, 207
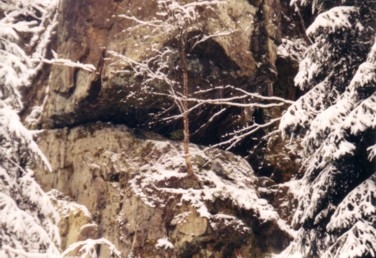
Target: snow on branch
354, 110
356, 206
332, 20
152, 23
338, 53
363, 116
145, 68
67, 62
238, 135
292, 49
184, 13
313, 193
335, 121
371, 152
230, 101
17, 69
214, 35
245, 100
246, 94
88, 248
173, 14
14, 131
299, 115
358, 241
332, 118
9, 251
27, 214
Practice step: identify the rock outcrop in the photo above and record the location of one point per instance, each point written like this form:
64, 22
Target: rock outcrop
75, 221
88, 30
132, 182
129, 185
248, 57
135, 185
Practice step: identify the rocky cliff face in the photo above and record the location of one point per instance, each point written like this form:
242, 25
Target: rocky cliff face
251, 56
135, 186
133, 183
88, 30
116, 185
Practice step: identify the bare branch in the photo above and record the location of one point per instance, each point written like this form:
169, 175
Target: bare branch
207, 37
144, 69
246, 94
244, 132
228, 102
153, 23
211, 119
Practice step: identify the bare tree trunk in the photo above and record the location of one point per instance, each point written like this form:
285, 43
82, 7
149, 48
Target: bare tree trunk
184, 66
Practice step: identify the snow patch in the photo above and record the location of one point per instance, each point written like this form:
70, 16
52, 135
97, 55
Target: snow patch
232, 181
330, 21
164, 243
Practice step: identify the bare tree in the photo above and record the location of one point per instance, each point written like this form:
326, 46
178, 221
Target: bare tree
184, 102
177, 19
180, 20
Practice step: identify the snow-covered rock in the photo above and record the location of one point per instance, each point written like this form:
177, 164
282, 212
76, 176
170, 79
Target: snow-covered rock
135, 185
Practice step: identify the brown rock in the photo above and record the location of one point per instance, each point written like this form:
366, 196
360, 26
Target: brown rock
245, 58
143, 203
76, 223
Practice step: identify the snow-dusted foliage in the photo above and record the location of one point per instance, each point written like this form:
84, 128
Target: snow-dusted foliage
292, 49
88, 248
319, 6
27, 218
336, 123
25, 31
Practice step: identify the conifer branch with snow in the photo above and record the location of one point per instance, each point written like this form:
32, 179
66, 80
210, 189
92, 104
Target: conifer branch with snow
336, 125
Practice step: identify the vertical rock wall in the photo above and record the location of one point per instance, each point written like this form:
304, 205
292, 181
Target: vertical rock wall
106, 167
88, 29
